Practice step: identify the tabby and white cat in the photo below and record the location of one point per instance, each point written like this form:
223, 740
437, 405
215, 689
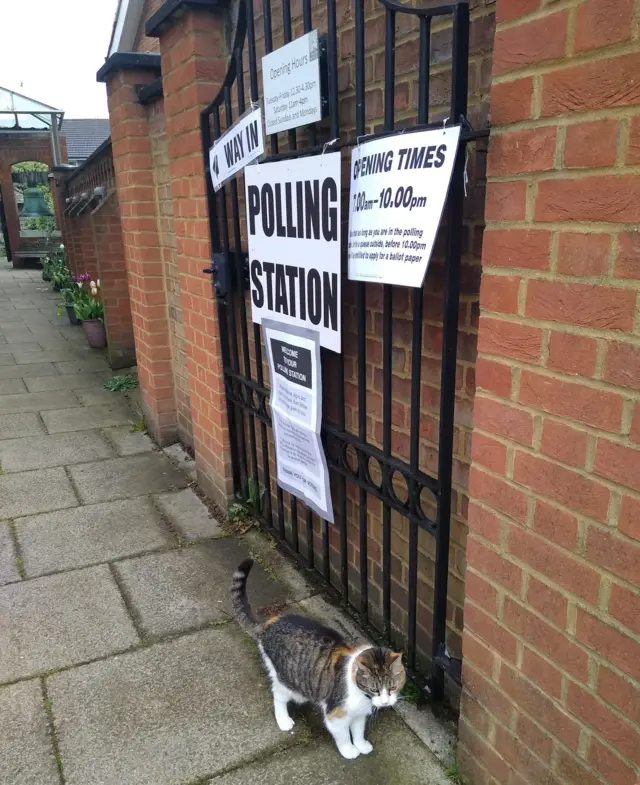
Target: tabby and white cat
310, 663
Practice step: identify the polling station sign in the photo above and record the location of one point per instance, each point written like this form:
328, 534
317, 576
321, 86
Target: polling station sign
398, 190
293, 223
296, 413
240, 144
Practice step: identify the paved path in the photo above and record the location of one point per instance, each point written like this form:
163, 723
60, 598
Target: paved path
119, 663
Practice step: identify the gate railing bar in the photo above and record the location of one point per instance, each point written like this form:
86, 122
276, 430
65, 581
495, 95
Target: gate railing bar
257, 337
334, 131
449, 351
268, 48
205, 131
307, 22
229, 305
387, 338
361, 311
238, 277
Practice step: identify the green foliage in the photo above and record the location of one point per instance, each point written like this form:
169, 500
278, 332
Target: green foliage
45, 223
138, 425
237, 513
88, 308
121, 383
255, 496
410, 692
454, 773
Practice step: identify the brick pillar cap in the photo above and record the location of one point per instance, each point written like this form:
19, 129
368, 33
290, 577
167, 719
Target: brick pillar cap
119, 61
164, 16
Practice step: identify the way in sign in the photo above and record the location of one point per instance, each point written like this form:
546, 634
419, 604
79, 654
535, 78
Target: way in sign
234, 148
242, 143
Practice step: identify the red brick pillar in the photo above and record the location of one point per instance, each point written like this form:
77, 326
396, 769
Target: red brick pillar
112, 272
140, 238
551, 643
194, 62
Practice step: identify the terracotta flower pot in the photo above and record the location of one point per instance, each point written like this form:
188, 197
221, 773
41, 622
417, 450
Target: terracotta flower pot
95, 333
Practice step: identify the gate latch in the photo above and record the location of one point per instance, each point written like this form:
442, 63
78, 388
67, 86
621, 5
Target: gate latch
220, 270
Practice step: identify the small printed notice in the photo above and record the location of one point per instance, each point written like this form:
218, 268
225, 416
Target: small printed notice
291, 84
399, 187
293, 226
240, 144
296, 409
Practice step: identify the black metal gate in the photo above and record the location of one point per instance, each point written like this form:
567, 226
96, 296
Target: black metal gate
363, 473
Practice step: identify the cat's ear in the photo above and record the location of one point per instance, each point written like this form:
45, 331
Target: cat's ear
396, 663
363, 663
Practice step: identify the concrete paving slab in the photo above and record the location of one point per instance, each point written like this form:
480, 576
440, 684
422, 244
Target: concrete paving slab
74, 381
189, 587
36, 402
82, 366
120, 478
56, 342
10, 386
7, 359
6, 348
177, 453
188, 514
14, 425
26, 755
128, 442
88, 535
398, 758
87, 417
28, 493
165, 715
45, 356
16, 334
56, 621
8, 567
34, 369
96, 397
61, 449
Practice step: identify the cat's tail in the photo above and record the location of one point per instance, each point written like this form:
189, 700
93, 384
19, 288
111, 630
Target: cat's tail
239, 601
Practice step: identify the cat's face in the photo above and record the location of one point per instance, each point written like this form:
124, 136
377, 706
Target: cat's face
380, 674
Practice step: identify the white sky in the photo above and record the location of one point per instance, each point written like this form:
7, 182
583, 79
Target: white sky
54, 48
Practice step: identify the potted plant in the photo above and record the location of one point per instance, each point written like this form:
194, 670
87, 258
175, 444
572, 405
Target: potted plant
46, 268
68, 305
61, 277
89, 308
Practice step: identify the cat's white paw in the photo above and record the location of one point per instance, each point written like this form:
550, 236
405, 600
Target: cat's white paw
364, 746
285, 723
348, 751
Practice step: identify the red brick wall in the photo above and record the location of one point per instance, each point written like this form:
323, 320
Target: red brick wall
142, 250
551, 643
93, 243
142, 42
160, 166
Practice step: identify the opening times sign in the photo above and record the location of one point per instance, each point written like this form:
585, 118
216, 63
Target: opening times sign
399, 187
293, 222
296, 410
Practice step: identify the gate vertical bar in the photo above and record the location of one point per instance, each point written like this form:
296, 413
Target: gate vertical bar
449, 351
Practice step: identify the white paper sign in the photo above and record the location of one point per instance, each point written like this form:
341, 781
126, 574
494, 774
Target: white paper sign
293, 227
291, 84
240, 144
399, 186
296, 409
